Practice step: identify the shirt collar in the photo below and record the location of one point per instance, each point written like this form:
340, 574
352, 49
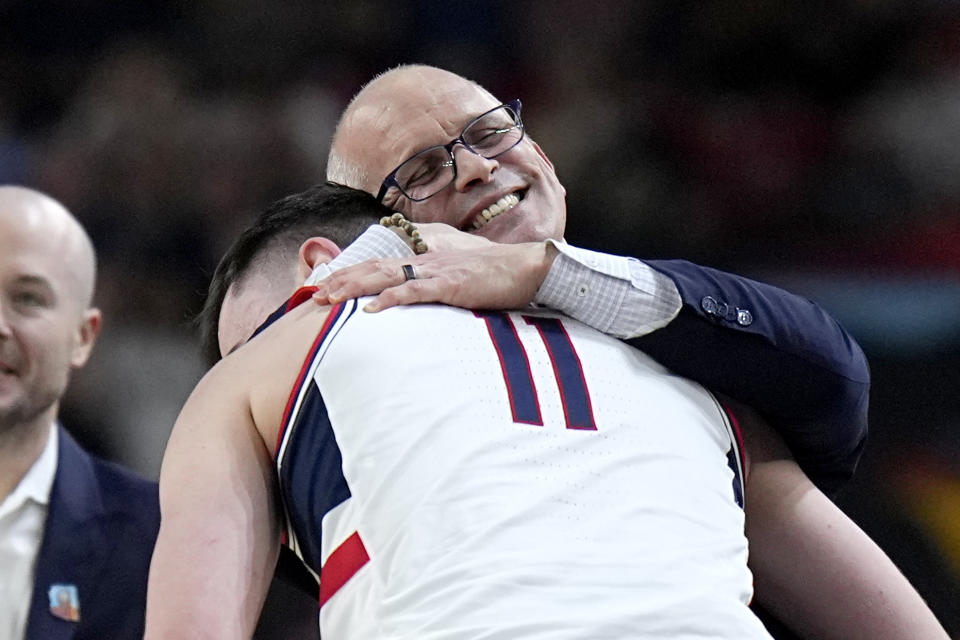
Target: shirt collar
36, 483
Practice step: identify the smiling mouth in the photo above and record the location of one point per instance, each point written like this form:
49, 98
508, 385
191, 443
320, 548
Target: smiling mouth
502, 205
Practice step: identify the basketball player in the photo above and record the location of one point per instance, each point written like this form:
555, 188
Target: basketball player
458, 474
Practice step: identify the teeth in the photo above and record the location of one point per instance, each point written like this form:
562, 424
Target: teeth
505, 203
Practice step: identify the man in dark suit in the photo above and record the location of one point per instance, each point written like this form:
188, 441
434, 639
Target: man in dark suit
76, 533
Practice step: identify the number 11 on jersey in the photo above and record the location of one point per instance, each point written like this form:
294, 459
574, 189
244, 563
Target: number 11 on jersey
567, 370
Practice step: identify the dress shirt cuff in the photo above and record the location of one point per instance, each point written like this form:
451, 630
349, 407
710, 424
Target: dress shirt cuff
376, 242
616, 295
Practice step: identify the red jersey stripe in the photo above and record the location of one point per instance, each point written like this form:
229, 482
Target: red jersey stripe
295, 392
300, 296
342, 564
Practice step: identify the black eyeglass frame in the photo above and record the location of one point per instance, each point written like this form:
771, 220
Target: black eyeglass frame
391, 180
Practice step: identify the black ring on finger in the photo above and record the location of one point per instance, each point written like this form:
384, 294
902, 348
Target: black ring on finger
408, 272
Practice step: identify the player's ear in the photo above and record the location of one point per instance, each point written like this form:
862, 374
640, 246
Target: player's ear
315, 251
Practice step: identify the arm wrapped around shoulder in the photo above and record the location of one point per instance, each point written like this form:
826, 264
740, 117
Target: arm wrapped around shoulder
777, 352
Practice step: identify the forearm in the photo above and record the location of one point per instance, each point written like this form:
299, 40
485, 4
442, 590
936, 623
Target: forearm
818, 572
779, 353
814, 569
759, 344
782, 354
616, 295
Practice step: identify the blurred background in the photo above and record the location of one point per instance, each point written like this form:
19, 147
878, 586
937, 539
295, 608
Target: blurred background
813, 145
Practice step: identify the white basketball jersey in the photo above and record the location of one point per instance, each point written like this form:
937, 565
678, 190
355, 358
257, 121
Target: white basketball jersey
451, 474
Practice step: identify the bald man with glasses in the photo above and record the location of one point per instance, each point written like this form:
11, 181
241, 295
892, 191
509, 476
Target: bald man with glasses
440, 148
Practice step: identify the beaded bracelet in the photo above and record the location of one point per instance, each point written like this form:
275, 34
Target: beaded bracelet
397, 220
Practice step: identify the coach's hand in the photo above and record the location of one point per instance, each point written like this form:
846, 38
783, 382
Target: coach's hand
471, 273
440, 237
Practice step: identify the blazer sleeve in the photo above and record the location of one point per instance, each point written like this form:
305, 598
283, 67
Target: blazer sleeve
776, 351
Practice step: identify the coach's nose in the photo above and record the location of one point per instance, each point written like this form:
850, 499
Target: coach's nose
472, 168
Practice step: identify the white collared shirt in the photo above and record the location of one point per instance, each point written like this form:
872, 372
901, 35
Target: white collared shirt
617, 295
23, 515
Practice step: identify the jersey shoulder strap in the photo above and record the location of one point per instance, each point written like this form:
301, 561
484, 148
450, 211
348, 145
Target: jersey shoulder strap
300, 296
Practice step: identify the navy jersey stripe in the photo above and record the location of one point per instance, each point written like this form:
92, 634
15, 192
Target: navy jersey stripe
567, 369
309, 461
311, 479
273, 317
308, 364
300, 296
524, 403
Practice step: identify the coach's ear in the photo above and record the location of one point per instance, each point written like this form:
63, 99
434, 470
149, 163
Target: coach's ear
315, 251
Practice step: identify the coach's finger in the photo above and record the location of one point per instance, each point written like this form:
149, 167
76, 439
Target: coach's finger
364, 279
410, 292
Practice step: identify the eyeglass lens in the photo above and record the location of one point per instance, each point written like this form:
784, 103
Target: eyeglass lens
432, 169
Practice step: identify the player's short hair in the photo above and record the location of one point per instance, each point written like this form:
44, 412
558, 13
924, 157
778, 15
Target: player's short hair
330, 210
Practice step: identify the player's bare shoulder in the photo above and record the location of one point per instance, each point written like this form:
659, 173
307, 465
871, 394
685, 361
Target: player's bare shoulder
265, 369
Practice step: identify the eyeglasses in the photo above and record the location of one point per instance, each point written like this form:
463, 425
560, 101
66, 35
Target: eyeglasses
432, 170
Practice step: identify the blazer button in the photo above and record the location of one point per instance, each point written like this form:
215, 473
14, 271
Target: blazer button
744, 317
709, 305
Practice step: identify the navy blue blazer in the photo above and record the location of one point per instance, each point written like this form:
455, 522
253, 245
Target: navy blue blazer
101, 527
777, 352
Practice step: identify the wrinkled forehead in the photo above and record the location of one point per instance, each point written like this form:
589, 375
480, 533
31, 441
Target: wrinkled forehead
420, 112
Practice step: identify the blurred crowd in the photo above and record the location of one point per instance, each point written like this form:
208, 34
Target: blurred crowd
814, 145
